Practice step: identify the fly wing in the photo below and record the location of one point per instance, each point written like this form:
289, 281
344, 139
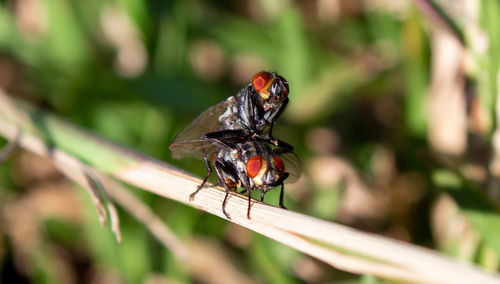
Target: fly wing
192, 148
292, 166
207, 121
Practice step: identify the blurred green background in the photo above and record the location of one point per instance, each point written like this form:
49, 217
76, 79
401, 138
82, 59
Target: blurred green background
392, 113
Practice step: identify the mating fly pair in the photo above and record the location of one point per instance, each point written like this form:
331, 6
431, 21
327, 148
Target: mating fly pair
236, 137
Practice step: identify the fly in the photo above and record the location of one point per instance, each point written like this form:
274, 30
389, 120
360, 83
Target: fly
251, 113
237, 135
252, 165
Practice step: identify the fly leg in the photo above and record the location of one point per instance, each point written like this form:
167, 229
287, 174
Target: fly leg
209, 173
249, 199
282, 193
222, 175
225, 201
223, 137
245, 183
282, 147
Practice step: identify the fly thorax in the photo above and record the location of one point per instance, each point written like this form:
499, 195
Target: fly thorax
229, 113
235, 154
240, 166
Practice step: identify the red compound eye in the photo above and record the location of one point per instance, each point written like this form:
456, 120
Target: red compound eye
260, 80
254, 165
279, 164
286, 89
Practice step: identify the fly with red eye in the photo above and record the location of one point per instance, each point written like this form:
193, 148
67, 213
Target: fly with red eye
251, 113
220, 132
252, 165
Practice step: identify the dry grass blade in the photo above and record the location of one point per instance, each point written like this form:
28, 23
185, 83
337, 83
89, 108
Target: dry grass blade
95, 195
142, 213
337, 245
99, 192
434, 11
10, 147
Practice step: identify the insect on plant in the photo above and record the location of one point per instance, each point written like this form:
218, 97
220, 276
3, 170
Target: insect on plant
251, 113
236, 135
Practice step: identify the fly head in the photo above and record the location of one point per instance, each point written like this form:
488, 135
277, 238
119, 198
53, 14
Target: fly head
265, 171
272, 89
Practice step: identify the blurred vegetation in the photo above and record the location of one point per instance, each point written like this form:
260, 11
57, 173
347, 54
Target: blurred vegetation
396, 134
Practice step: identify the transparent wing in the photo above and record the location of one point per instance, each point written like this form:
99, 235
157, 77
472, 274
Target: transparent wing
207, 121
292, 166
192, 148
